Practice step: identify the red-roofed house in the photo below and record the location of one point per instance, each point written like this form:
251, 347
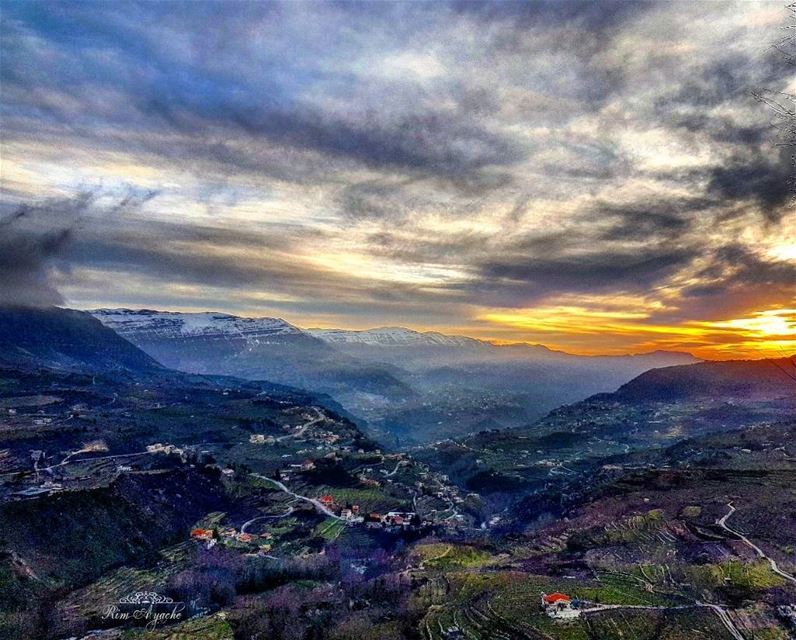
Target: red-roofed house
202, 534
559, 605
327, 501
552, 598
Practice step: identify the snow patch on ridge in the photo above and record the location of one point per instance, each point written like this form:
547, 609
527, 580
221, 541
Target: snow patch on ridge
128, 322
393, 336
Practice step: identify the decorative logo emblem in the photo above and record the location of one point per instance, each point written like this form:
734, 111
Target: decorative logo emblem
145, 597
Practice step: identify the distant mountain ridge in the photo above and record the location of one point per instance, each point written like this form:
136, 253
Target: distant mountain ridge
151, 323
211, 343
394, 336
404, 385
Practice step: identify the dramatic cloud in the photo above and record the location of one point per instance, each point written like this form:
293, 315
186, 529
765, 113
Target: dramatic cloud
31, 238
35, 240
517, 170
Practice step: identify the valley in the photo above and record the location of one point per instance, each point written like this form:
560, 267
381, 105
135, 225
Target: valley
252, 509
397, 320
403, 387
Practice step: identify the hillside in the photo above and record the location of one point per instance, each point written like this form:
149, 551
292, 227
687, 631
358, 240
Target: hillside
107, 472
66, 339
696, 543
747, 379
655, 410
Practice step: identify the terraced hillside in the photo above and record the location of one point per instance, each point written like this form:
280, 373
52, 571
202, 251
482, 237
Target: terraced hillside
695, 543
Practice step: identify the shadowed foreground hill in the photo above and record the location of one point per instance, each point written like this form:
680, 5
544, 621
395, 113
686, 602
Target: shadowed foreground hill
773, 378
66, 339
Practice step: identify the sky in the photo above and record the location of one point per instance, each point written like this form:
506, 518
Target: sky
598, 177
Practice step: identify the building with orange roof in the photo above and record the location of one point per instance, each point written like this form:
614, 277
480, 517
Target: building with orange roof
559, 605
202, 534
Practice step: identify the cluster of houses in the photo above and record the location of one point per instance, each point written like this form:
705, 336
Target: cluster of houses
229, 536
560, 606
349, 512
328, 437
394, 521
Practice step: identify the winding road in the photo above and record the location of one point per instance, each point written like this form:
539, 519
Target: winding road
722, 522
269, 517
320, 417
316, 503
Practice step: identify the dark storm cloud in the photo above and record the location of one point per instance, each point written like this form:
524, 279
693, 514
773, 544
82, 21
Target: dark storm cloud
430, 143
644, 224
454, 249
665, 220
734, 265
727, 80
702, 105
35, 240
31, 238
607, 14
735, 282
767, 182
131, 257
722, 129
154, 91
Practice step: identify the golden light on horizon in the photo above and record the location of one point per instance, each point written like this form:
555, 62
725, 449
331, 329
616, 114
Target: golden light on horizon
767, 333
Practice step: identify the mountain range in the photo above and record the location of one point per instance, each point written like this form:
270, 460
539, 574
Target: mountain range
404, 386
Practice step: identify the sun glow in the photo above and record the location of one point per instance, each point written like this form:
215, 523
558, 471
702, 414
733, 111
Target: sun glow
768, 333
784, 252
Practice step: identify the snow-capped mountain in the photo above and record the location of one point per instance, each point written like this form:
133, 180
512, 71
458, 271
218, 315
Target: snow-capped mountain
166, 324
254, 348
393, 336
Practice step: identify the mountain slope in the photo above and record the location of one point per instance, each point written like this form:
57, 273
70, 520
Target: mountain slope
109, 460
66, 339
253, 348
657, 409
745, 378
